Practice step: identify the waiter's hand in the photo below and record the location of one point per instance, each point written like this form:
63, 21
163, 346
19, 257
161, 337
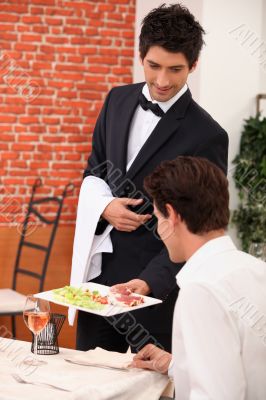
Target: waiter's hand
136, 285
153, 358
122, 219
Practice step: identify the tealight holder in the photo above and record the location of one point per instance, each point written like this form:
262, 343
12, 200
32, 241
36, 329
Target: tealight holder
47, 339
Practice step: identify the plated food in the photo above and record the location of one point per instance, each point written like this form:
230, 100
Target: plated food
98, 299
94, 300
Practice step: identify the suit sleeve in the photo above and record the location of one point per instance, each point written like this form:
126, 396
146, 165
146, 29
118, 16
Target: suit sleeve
97, 163
215, 150
160, 272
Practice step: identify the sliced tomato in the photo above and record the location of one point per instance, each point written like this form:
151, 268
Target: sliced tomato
104, 300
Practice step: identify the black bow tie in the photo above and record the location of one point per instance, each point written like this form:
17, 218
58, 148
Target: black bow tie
148, 105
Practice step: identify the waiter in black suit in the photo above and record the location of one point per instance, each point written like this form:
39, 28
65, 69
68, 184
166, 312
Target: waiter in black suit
139, 126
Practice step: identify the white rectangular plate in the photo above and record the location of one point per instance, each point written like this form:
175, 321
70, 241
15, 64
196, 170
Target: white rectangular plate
108, 310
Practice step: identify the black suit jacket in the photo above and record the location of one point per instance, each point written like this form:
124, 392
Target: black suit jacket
186, 129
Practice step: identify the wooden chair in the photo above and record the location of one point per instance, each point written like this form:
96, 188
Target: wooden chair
11, 301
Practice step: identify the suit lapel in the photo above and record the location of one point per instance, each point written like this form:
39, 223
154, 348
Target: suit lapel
126, 109
165, 128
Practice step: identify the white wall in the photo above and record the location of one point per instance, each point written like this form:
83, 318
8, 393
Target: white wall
230, 74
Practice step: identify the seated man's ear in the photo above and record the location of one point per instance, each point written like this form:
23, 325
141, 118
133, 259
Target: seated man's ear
173, 216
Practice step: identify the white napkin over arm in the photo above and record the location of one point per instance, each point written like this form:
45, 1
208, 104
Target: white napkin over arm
94, 197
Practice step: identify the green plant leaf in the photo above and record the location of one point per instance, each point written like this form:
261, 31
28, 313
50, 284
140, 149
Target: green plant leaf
250, 180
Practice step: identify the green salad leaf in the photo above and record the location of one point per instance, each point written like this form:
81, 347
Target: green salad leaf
80, 297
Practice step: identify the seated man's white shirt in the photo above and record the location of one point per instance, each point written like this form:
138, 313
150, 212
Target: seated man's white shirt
219, 328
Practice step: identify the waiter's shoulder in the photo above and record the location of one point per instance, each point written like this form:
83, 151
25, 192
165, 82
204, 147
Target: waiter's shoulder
203, 118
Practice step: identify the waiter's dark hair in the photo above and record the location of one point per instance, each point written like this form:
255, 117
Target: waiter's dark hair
196, 189
175, 29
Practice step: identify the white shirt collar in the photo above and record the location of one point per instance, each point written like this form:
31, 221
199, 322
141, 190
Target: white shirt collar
165, 105
197, 268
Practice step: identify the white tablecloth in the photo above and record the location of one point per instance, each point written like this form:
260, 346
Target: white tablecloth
85, 382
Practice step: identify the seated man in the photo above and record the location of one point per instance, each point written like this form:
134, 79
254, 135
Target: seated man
219, 328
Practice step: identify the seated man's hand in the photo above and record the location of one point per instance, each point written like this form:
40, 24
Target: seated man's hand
153, 358
122, 219
135, 285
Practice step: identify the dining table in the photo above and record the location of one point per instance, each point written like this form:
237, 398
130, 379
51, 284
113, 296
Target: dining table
60, 379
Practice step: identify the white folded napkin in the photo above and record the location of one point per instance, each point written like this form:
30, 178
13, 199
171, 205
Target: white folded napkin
103, 358
94, 196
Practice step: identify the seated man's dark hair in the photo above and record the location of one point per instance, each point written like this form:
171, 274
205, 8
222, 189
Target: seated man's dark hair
175, 29
196, 189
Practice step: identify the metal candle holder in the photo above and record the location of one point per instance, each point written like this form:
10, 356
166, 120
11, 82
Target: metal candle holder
47, 339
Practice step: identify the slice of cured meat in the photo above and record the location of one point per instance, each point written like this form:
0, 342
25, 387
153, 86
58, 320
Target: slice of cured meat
125, 297
122, 290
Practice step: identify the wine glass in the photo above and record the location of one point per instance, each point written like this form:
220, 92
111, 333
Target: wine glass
258, 250
36, 316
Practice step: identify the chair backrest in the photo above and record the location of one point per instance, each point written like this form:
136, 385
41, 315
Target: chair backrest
32, 210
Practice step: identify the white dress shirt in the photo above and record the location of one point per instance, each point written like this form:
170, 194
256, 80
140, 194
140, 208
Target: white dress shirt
142, 125
144, 122
219, 328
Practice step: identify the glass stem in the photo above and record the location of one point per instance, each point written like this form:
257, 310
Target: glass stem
35, 344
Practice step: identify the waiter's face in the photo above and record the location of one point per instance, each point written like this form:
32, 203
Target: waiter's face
165, 73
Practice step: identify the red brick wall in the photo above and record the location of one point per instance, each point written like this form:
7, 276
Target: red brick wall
58, 60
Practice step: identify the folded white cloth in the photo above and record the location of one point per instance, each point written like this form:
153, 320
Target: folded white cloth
84, 382
94, 196
103, 358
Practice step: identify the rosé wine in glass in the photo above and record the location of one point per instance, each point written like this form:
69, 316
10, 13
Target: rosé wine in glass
36, 315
